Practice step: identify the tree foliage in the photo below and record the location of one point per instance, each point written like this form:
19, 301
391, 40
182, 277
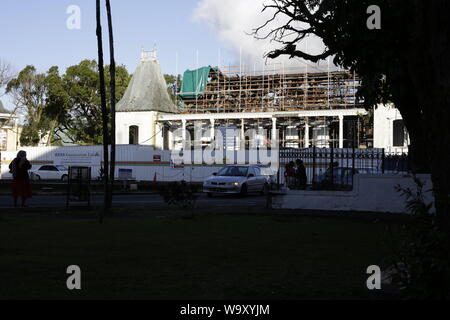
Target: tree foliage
403, 62
173, 85
29, 92
6, 74
63, 106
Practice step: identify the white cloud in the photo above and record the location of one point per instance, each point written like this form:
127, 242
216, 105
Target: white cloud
233, 22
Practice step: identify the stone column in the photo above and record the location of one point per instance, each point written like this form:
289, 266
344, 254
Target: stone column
183, 128
341, 131
274, 130
306, 133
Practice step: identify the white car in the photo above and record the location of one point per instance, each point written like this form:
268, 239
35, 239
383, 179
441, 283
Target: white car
236, 179
50, 172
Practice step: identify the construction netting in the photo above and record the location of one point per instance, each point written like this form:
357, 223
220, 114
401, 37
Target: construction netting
194, 82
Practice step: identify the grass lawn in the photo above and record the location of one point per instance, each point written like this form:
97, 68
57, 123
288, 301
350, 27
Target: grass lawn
208, 256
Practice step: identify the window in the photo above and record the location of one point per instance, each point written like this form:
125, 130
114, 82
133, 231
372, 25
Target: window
399, 134
233, 171
134, 135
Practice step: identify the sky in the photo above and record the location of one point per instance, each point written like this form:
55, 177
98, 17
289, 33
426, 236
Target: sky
186, 33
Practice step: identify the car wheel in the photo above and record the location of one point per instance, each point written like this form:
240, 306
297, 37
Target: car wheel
265, 189
210, 195
64, 177
244, 190
37, 177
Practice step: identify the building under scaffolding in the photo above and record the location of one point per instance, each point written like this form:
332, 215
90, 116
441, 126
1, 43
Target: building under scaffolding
229, 89
304, 106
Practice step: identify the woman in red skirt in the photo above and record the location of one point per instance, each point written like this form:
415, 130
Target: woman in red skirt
21, 187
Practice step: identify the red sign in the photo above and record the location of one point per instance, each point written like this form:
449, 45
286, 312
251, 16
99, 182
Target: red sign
156, 158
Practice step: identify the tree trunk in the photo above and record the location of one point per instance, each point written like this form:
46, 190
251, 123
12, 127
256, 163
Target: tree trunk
112, 68
418, 149
105, 121
51, 132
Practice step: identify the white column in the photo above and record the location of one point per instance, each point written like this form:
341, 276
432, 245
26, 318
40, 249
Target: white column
170, 138
341, 131
213, 128
274, 130
183, 128
242, 136
306, 133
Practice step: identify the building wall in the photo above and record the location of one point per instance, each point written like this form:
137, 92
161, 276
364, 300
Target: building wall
9, 135
371, 193
150, 133
384, 117
12, 140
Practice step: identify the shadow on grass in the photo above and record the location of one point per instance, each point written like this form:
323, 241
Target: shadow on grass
210, 253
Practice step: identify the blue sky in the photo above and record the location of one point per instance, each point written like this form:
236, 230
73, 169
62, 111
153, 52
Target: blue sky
35, 32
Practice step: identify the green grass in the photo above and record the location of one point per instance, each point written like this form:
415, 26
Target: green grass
206, 257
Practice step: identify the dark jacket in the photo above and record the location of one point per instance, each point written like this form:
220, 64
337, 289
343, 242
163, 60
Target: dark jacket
19, 173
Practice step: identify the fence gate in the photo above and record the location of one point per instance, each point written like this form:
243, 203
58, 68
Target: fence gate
79, 185
330, 168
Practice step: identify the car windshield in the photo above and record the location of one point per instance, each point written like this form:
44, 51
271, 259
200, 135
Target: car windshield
265, 171
233, 171
61, 168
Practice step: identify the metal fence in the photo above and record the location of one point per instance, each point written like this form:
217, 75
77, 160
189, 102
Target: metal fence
330, 168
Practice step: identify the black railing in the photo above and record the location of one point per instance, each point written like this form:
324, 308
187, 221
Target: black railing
333, 169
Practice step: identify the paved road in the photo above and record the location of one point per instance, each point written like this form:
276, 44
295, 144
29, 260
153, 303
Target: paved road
139, 200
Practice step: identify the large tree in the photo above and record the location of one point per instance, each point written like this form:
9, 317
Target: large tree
63, 106
173, 85
80, 114
29, 92
404, 62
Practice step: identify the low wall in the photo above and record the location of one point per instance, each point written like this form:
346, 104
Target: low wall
371, 193
145, 163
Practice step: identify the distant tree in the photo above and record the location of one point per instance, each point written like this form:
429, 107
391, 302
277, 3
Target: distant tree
29, 91
173, 85
6, 74
56, 102
80, 114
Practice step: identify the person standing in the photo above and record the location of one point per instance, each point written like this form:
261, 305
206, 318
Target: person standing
300, 174
289, 174
21, 186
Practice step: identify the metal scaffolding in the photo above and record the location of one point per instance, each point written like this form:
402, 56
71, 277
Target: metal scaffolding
274, 88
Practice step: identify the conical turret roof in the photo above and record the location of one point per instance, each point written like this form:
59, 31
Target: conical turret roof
147, 90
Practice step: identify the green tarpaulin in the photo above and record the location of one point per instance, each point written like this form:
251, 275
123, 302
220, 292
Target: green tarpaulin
194, 82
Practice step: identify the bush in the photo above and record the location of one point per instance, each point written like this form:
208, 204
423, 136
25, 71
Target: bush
424, 266
180, 194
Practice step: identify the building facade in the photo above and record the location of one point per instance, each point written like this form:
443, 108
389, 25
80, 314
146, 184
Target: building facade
9, 130
298, 108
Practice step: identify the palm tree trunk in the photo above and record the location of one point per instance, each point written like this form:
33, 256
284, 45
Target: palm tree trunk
112, 68
105, 121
